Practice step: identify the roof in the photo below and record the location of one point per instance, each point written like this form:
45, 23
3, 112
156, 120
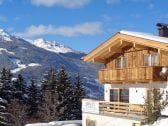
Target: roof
145, 36
125, 38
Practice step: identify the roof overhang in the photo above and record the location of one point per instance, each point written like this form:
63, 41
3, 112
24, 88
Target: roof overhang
117, 42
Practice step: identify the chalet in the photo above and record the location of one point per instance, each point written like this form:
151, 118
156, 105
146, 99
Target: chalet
134, 64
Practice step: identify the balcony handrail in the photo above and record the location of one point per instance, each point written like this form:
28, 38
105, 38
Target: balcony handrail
104, 69
132, 74
118, 107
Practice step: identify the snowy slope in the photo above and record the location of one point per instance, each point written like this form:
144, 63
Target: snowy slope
146, 36
4, 35
52, 46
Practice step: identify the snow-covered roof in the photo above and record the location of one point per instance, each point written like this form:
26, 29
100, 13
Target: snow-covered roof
145, 36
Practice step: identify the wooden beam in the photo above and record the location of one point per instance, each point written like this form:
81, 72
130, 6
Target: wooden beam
100, 60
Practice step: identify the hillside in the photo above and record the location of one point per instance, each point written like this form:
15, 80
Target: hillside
32, 59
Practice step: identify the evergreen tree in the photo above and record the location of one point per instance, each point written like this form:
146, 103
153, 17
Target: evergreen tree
50, 107
6, 91
79, 94
33, 100
154, 105
65, 91
3, 113
20, 89
49, 80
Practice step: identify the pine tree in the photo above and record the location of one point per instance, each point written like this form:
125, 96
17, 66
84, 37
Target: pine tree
49, 80
6, 91
3, 113
33, 100
79, 94
5, 95
20, 89
50, 109
65, 91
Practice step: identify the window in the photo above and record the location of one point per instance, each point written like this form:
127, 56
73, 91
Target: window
151, 59
124, 95
118, 63
124, 62
119, 95
90, 122
114, 95
154, 59
121, 62
147, 60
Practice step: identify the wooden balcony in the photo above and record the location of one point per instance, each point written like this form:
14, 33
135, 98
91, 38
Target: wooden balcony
132, 75
117, 108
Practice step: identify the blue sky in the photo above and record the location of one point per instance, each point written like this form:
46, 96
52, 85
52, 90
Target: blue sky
80, 24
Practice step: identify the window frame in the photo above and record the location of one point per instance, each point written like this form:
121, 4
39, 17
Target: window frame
119, 96
121, 62
151, 59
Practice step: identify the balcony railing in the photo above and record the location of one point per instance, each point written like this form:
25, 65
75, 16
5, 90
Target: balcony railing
102, 107
138, 74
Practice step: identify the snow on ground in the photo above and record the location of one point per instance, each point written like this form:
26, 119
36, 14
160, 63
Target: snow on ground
20, 66
59, 123
6, 51
33, 64
146, 36
160, 122
18, 63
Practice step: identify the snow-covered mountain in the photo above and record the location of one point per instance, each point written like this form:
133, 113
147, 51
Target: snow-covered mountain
4, 35
53, 46
32, 60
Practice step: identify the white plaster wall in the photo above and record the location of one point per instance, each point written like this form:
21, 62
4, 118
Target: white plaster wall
102, 120
107, 88
137, 95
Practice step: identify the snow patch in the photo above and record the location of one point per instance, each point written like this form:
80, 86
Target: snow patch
52, 46
4, 35
59, 123
22, 48
6, 51
20, 66
145, 36
34, 64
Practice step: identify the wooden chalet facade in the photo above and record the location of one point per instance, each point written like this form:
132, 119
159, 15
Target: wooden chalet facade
133, 64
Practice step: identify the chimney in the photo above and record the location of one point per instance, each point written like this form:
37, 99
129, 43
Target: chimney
163, 29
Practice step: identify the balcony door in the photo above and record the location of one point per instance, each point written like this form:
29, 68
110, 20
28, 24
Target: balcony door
119, 95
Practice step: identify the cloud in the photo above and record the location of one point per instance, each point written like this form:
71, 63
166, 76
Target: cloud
63, 3
3, 18
88, 28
